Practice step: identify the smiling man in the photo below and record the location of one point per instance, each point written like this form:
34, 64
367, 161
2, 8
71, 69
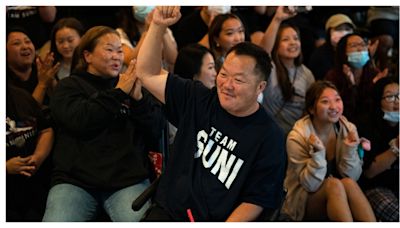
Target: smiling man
228, 159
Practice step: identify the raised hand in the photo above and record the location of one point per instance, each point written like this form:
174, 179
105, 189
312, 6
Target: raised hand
283, 13
352, 138
316, 143
372, 47
166, 15
365, 143
380, 74
349, 74
46, 71
128, 78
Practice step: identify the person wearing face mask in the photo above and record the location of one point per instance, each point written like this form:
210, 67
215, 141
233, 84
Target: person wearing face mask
381, 165
132, 28
354, 75
322, 58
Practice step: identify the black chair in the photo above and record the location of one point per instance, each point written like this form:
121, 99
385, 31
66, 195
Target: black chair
138, 203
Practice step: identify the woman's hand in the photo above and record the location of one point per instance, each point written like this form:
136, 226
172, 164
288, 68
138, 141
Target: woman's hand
136, 92
128, 78
46, 71
283, 13
349, 74
352, 139
380, 74
316, 143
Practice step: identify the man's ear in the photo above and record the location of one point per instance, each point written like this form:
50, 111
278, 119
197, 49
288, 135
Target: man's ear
261, 86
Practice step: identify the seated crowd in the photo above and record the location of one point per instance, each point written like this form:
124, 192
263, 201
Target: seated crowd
273, 113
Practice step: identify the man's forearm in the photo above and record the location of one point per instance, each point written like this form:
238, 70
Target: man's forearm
149, 57
245, 212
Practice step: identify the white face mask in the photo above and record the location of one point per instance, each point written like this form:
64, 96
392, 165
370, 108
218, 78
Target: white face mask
336, 35
140, 12
392, 116
220, 9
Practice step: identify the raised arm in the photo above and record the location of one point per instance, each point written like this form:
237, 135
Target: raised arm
268, 40
149, 57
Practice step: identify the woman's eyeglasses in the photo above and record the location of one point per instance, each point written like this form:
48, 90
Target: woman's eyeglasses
356, 45
391, 98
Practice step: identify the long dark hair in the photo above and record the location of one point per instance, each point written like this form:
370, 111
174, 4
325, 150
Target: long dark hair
214, 32
341, 56
281, 71
69, 22
189, 60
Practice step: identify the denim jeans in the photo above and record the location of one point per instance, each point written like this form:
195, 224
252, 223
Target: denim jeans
70, 203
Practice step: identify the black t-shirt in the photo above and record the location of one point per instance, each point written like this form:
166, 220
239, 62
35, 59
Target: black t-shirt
190, 30
219, 160
25, 196
29, 18
24, 122
28, 85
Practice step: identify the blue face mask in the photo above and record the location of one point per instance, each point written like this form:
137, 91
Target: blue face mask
392, 116
140, 12
358, 59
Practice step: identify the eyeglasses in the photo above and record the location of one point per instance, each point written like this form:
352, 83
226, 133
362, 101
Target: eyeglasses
391, 98
355, 45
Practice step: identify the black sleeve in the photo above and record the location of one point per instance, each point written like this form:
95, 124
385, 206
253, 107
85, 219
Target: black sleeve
181, 93
21, 105
77, 111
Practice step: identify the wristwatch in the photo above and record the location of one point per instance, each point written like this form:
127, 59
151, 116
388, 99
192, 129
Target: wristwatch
393, 147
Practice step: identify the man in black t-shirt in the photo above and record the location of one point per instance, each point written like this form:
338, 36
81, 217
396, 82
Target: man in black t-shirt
228, 159
29, 140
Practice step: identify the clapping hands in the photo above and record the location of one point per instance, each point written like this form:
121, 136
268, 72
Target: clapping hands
128, 82
46, 70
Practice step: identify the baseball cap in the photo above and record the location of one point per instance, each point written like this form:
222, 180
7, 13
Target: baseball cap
337, 20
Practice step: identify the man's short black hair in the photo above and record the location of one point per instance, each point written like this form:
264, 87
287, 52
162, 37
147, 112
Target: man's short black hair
263, 61
15, 29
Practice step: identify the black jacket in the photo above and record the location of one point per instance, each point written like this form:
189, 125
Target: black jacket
103, 135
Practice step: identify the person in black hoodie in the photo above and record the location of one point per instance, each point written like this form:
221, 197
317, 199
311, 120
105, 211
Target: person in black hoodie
105, 123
